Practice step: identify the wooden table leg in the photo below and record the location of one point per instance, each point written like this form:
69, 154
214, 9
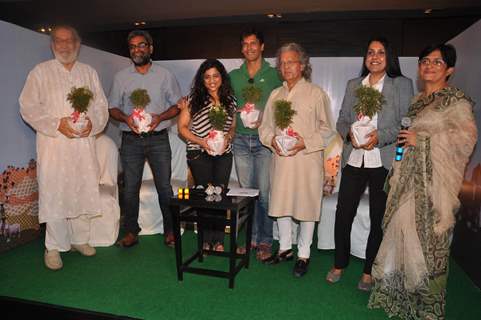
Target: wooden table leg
233, 247
250, 212
178, 240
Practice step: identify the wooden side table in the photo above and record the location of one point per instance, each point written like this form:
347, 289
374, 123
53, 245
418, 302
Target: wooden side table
236, 212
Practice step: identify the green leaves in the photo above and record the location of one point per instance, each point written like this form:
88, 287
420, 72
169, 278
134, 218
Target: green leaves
283, 113
140, 98
217, 117
369, 101
252, 94
80, 98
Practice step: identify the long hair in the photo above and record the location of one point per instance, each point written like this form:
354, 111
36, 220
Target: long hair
303, 58
199, 95
393, 69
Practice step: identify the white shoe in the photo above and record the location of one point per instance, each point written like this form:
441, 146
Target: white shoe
52, 259
84, 249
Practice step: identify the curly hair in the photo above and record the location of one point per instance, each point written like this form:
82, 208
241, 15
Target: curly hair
200, 96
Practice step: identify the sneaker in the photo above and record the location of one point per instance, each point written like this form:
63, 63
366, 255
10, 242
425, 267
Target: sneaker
52, 259
84, 249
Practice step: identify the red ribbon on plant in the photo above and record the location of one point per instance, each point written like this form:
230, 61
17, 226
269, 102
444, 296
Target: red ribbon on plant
291, 133
75, 116
248, 108
212, 134
137, 113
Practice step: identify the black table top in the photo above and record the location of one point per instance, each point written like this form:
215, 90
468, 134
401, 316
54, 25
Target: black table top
224, 202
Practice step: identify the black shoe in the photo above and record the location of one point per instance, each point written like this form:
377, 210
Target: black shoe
279, 257
300, 268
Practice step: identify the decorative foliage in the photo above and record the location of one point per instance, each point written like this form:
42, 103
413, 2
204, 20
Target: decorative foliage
140, 98
80, 98
283, 113
252, 94
217, 117
369, 101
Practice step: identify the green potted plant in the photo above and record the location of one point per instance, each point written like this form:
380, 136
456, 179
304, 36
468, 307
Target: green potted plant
217, 117
369, 103
283, 115
249, 114
79, 99
140, 99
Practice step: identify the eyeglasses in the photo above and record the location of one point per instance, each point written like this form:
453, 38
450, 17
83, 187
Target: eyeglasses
141, 46
435, 62
58, 41
288, 63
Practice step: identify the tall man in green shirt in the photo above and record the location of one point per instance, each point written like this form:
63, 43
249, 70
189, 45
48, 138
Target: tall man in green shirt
252, 159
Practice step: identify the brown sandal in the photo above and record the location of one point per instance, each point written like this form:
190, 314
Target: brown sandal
264, 251
219, 247
241, 250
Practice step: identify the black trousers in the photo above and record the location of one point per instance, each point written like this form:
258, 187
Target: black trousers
216, 171
353, 183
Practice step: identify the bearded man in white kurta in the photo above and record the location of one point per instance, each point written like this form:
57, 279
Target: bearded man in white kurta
297, 178
68, 174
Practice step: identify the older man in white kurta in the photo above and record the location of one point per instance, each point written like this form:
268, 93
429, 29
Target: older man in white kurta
297, 179
68, 174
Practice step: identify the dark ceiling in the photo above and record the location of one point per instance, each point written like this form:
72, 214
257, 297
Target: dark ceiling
196, 29
103, 15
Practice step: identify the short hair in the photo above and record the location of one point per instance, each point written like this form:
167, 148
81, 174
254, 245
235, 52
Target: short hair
66, 27
448, 52
303, 58
252, 32
393, 68
140, 33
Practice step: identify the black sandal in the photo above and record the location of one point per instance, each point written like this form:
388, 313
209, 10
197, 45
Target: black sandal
287, 255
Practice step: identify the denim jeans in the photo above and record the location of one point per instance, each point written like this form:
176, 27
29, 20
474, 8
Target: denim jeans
133, 153
214, 170
252, 164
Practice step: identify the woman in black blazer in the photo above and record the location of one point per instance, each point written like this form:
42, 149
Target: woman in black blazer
368, 164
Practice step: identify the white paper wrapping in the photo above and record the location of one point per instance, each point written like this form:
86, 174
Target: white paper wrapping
142, 120
80, 123
216, 142
285, 143
250, 118
360, 129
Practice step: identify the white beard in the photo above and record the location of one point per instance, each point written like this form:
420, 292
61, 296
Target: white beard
66, 58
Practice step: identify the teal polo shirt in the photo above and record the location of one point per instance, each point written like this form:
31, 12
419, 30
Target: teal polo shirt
267, 79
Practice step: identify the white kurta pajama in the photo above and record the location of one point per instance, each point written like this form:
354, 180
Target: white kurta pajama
297, 181
68, 174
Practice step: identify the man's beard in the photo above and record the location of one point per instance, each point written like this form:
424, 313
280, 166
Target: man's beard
141, 60
66, 58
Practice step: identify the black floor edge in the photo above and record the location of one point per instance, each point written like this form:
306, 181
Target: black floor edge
15, 308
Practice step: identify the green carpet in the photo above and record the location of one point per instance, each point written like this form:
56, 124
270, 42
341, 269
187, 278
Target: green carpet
141, 282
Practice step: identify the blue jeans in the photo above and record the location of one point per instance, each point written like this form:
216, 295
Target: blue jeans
252, 164
134, 151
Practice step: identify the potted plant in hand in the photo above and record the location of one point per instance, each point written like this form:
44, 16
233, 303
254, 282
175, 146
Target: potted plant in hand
283, 115
79, 99
215, 140
249, 114
369, 102
140, 99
